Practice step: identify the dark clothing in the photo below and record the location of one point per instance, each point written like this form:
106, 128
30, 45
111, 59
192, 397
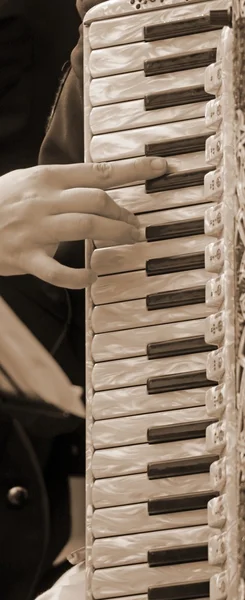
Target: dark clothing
36, 38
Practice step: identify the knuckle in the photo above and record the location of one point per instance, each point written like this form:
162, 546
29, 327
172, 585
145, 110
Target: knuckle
103, 170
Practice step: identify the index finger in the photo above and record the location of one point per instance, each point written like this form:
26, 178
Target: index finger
110, 175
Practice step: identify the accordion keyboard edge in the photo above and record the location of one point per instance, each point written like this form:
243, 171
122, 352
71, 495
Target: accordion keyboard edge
162, 478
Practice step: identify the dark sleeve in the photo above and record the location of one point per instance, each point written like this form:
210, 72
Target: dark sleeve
64, 137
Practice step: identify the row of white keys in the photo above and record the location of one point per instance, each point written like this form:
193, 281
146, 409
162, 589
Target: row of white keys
136, 284
133, 342
121, 259
123, 402
163, 217
131, 57
131, 430
129, 372
133, 549
128, 29
137, 200
133, 86
131, 143
137, 488
136, 579
129, 460
134, 313
132, 518
132, 114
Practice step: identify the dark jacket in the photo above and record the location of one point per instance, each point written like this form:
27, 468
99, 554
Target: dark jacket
36, 454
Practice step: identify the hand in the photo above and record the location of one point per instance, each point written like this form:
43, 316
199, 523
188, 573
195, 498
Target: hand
44, 206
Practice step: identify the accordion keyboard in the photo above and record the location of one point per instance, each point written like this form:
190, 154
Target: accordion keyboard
156, 345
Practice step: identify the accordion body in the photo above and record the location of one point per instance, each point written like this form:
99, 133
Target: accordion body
165, 319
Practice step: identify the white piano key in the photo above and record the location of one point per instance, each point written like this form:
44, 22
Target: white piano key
136, 284
118, 259
133, 342
136, 579
127, 315
133, 549
127, 431
130, 28
127, 460
130, 57
132, 114
135, 400
135, 198
163, 217
127, 144
135, 371
130, 519
133, 86
133, 489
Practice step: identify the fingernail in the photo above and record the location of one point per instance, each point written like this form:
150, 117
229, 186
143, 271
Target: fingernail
158, 164
136, 235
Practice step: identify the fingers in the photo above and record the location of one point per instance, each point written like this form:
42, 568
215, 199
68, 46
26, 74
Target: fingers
74, 227
42, 266
108, 175
91, 201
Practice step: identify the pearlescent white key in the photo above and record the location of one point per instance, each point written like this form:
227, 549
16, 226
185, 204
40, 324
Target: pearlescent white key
130, 28
130, 57
127, 315
133, 549
127, 144
127, 460
164, 216
119, 259
133, 342
136, 371
136, 284
135, 400
109, 583
133, 430
133, 489
135, 198
133, 518
133, 86
132, 114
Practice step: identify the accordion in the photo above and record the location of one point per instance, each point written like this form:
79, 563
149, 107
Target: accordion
165, 482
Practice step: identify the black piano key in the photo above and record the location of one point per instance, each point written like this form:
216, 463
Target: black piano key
182, 62
178, 381
176, 98
179, 347
167, 505
176, 229
184, 297
180, 591
180, 467
177, 555
178, 431
175, 264
183, 145
175, 181
221, 18
173, 29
